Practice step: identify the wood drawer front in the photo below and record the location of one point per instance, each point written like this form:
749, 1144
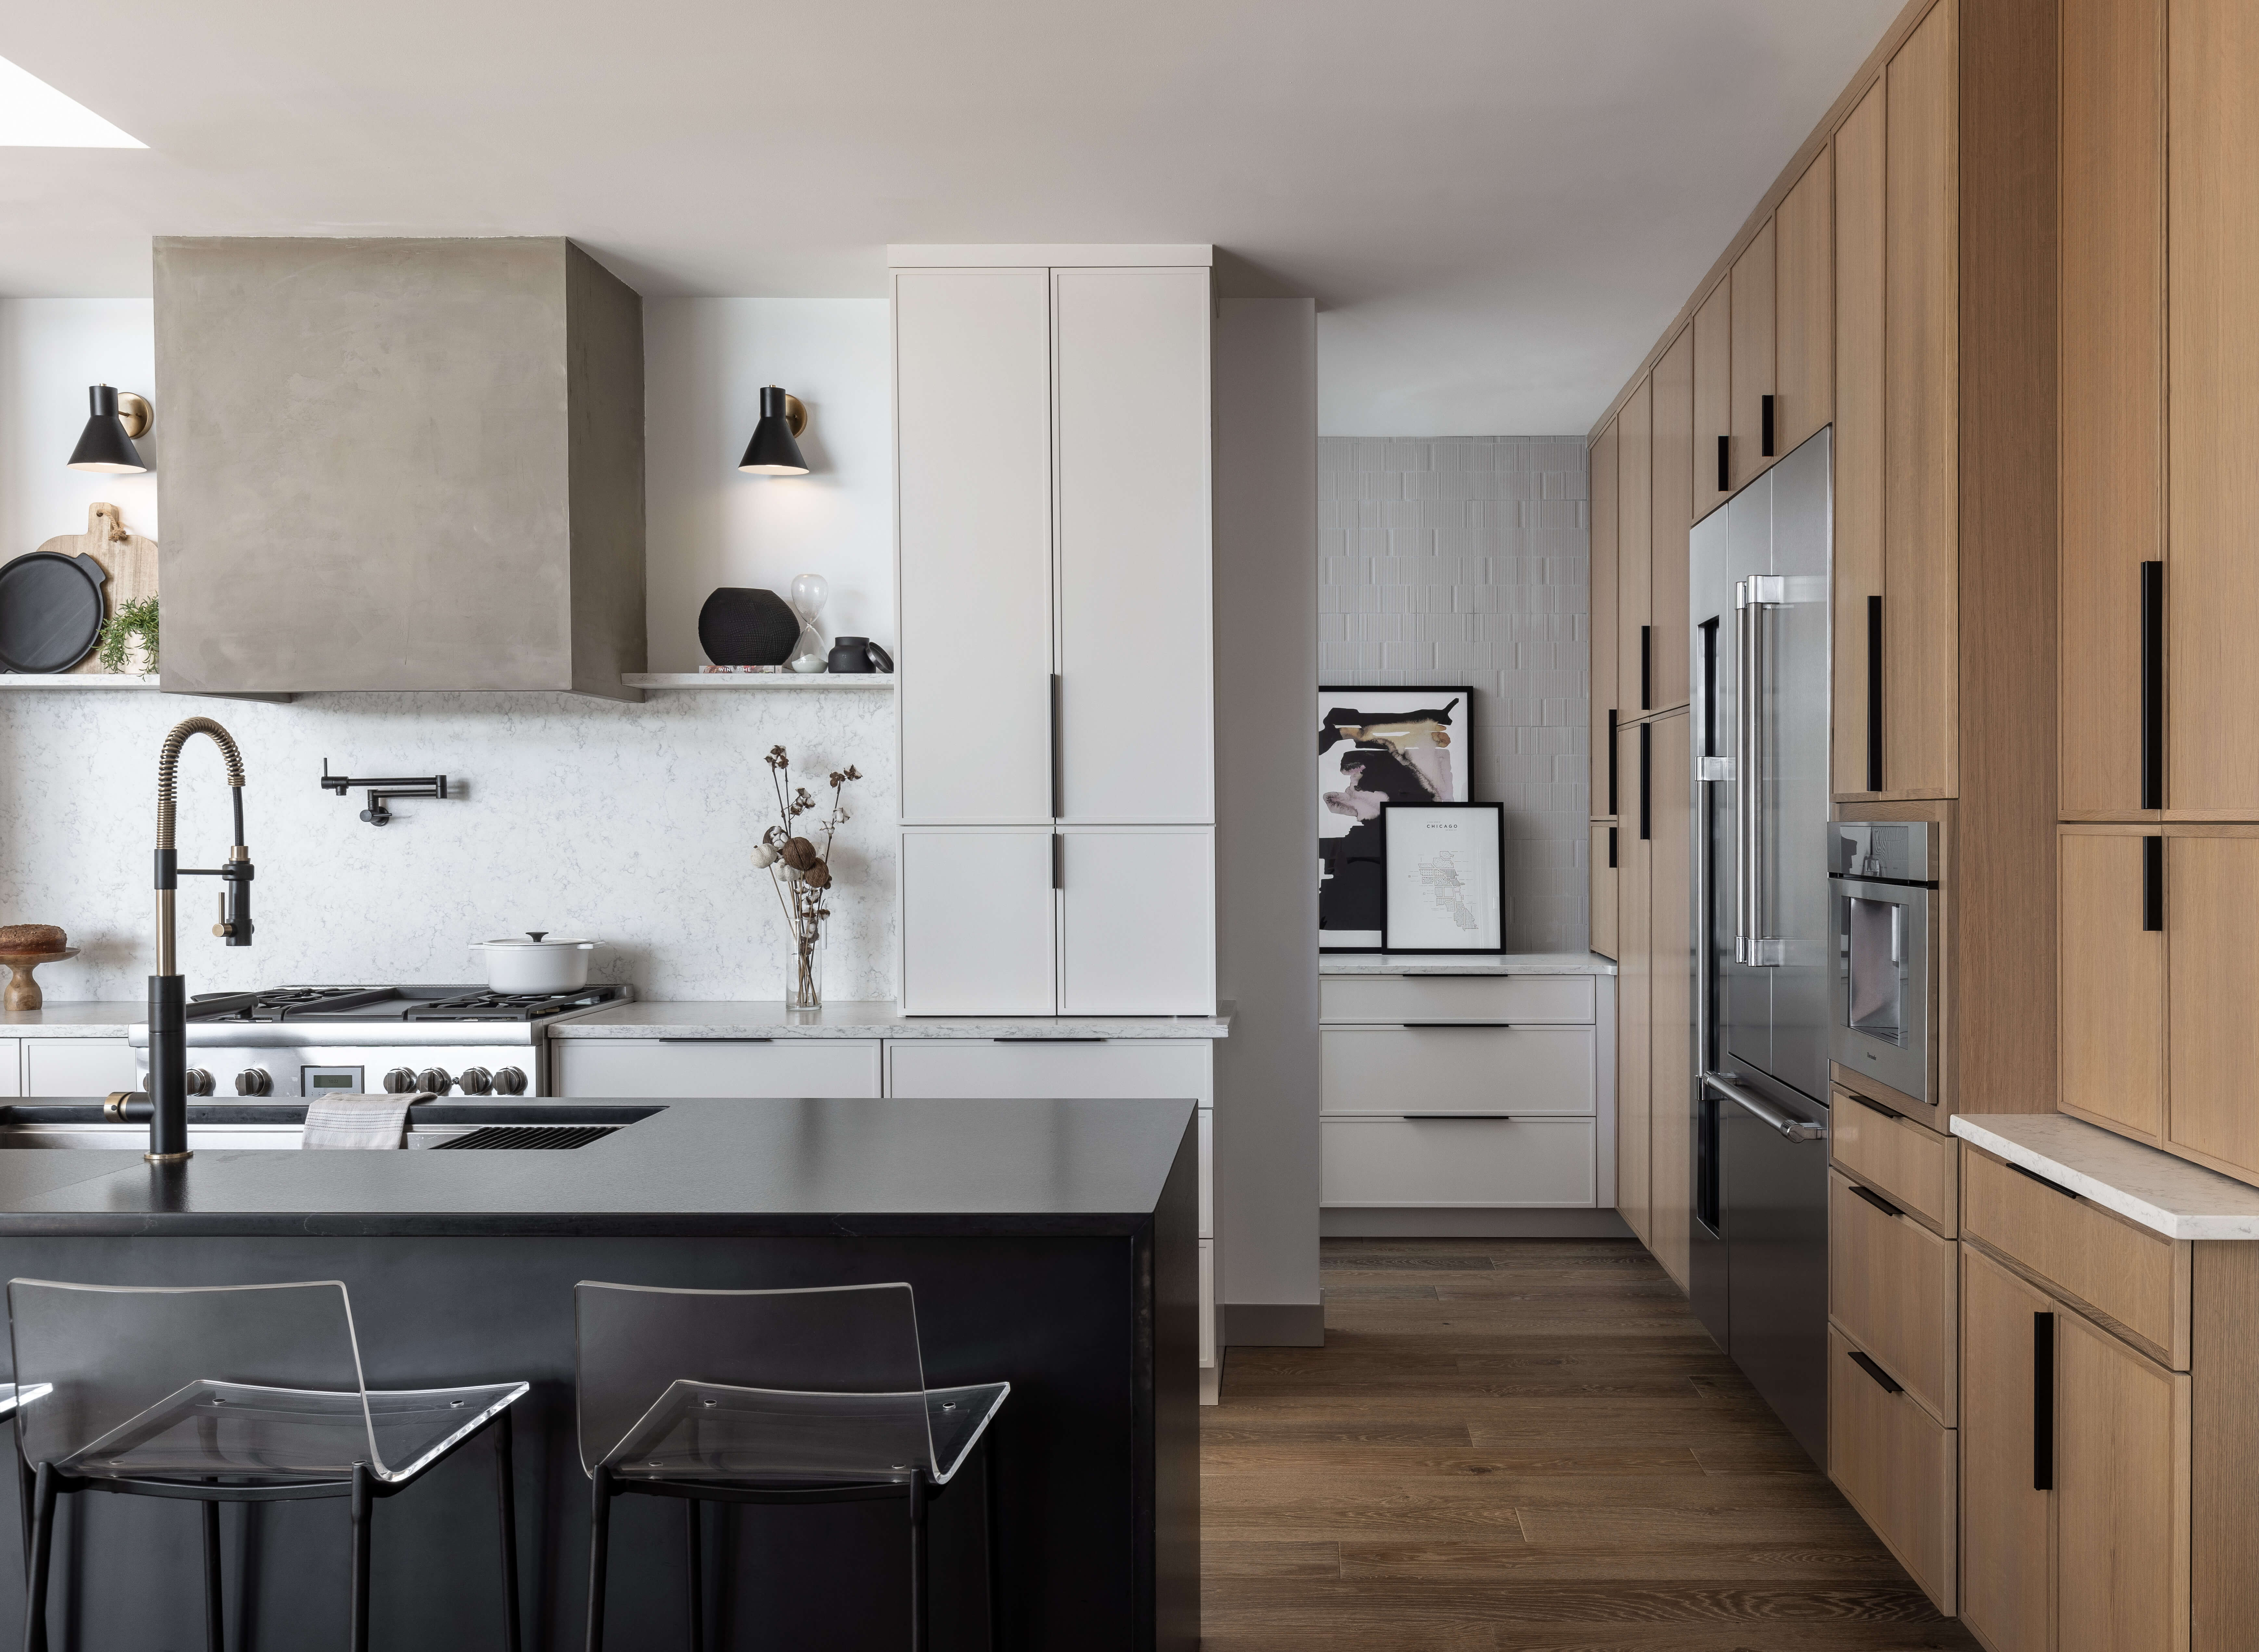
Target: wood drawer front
1452, 1163
2134, 1278
1899, 1466
1917, 1169
1567, 998
716, 1068
1895, 1287
1517, 1071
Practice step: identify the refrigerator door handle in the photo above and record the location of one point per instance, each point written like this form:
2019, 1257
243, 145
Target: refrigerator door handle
1794, 1129
1753, 944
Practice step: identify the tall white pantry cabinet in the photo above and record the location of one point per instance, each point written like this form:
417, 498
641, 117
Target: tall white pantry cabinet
1054, 582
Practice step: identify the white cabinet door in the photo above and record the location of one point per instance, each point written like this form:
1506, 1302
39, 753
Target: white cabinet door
79, 1066
1134, 647
12, 1067
659, 1068
973, 449
977, 922
936, 1069
1137, 921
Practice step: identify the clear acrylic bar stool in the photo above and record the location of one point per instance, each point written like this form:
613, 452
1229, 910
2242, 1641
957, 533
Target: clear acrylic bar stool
779, 1397
228, 1395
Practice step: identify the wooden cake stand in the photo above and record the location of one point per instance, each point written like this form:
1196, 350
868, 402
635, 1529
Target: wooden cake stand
23, 991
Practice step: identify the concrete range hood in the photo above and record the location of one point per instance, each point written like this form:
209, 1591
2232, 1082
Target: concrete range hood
399, 463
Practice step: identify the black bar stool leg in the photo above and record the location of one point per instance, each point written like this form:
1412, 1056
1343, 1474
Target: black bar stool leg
364, 1505
917, 1559
506, 1489
600, 1522
43, 1536
697, 1577
215, 1636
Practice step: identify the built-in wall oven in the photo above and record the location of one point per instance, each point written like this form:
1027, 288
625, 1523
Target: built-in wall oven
1882, 885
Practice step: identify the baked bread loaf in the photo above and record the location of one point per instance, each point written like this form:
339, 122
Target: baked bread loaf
31, 937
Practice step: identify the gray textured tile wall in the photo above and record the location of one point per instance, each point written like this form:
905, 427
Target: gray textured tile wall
1466, 559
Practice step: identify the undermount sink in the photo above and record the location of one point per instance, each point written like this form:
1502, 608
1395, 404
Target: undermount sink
234, 1125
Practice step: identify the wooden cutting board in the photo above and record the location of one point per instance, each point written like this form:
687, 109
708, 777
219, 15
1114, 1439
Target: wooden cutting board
129, 559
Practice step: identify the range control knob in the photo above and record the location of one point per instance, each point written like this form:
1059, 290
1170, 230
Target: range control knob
435, 1080
254, 1081
400, 1081
509, 1081
475, 1081
199, 1081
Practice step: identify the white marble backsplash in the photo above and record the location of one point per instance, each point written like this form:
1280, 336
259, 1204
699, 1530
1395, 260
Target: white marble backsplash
632, 825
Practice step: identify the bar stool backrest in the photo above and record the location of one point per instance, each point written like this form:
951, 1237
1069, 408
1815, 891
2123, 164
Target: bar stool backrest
114, 1352
636, 1342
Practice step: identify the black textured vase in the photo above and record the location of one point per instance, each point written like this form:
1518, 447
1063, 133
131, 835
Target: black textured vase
740, 626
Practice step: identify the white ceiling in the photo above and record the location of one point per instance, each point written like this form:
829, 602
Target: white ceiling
1498, 204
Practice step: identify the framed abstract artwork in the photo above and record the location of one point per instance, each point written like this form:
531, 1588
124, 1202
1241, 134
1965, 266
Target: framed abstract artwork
1378, 746
1444, 873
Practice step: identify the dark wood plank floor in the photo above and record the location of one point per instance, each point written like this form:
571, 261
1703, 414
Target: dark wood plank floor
1525, 1444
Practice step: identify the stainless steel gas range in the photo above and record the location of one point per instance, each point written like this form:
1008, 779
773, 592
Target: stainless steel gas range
316, 1040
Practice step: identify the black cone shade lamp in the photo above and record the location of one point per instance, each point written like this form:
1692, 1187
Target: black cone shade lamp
106, 445
772, 451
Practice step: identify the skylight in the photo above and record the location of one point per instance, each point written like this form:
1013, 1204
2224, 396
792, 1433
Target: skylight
33, 115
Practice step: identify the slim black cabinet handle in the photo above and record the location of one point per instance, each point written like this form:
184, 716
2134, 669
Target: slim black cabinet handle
1646, 730
2153, 885
2153, 685
2042, 1402
1646, 674
1883, 1380
1059, 860
1874, 694
1876, 1199
1725, 476
1612, 762
2034, 1176
1058, 792
1764, 426
1612, 849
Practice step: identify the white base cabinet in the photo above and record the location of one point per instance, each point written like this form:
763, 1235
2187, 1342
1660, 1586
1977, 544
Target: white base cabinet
11, 1066
1464, 1092
653, 1068
79, 1066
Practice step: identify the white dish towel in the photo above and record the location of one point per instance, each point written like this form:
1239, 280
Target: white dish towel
358, 1120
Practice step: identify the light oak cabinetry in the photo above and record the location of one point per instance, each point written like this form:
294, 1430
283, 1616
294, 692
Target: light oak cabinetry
1606, 705
1804, 308
1634, 986
1604, 885
1671, 1000
1673, 391
1634, 592
1713, 337
2161, 385
1752, 442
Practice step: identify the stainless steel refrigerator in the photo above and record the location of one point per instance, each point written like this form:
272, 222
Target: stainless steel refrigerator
1758, 584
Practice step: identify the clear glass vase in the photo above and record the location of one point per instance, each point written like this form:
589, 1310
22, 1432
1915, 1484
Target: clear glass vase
803, 970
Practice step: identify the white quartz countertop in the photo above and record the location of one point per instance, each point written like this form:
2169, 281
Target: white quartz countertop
92, 1019
766, 1018
1463, 964
2165, 1194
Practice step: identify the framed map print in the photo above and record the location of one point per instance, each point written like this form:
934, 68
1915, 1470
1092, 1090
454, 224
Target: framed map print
1444, 867
1378, 746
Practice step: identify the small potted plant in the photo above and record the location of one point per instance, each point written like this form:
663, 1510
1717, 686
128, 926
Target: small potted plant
799, 870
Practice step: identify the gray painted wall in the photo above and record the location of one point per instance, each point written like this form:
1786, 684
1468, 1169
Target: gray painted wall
1266, 1114
1467, 559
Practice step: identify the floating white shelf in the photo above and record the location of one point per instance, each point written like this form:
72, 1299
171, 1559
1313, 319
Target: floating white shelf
756, 679
71, 679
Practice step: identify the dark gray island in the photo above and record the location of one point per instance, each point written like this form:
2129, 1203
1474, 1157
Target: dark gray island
1050, 1243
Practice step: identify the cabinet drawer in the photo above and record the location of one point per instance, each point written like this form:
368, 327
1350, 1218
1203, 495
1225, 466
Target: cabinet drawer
1402, 998
2125, 1273
1915, 1169
1895, 1287
935, 1069
79, 1066
1898, 1465
650, 1067
1456, 1162
1468, 1069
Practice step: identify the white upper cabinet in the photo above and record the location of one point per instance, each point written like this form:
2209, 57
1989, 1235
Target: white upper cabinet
1135, 937
973, 502
1131, 472
978, 923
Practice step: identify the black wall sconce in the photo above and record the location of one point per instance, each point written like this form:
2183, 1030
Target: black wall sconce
115, 419
772, 451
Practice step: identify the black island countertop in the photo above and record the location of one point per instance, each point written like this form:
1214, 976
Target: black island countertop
717, 1168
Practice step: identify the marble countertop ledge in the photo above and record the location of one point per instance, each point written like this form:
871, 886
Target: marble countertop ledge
2165, 1194
1463, 964
766, 1018
86, 1020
